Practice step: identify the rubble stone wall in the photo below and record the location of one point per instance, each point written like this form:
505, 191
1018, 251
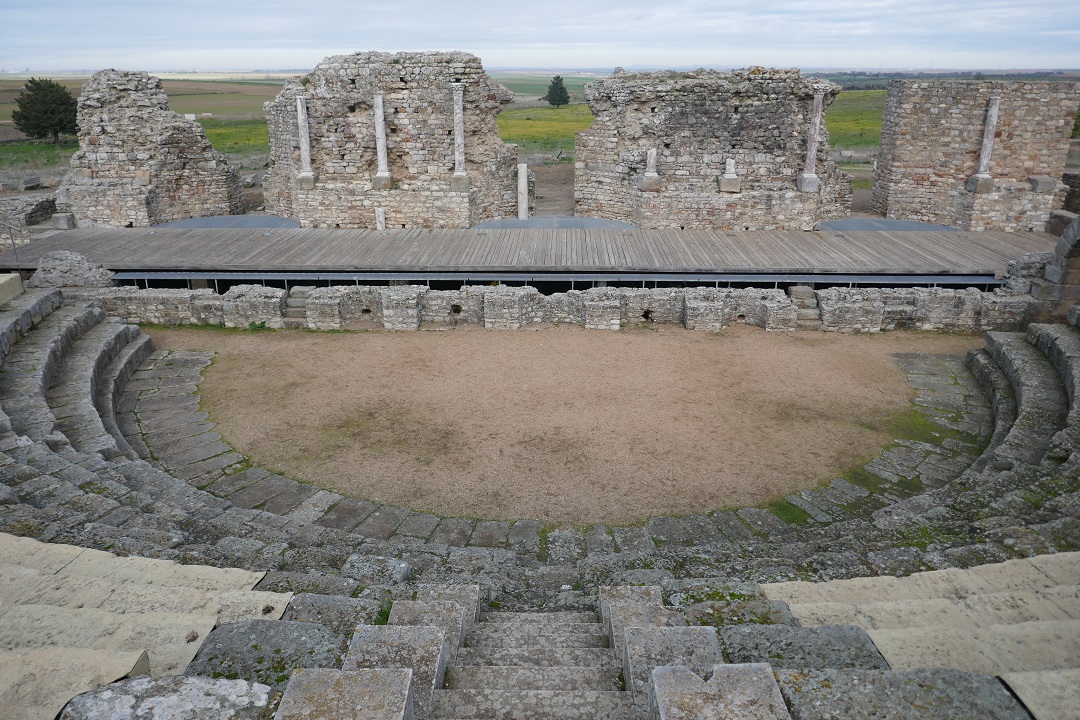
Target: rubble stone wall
410, 307
1072, 192
421, 187
19, 213
932, 140
697, 122
139, 163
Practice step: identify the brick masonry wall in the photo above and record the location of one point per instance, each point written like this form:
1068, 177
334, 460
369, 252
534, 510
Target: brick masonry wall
697, 121
930, 143
419, 117
139, 163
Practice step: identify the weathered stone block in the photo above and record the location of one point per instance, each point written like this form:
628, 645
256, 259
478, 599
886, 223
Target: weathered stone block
747, 692
420, 648
401, 306
366, 694
647, 648
253, 305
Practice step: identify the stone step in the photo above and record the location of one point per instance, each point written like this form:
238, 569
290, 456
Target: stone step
1041, 401
511, 635
71, 394
324, 694
30, 366
537, 657
110, 389
461, 677
1059, 603
533, 704
39, 683
170, 639
103, 593
300, 291
811, 313
993, 650
22, 313
1048, 694
61, 559
539, 618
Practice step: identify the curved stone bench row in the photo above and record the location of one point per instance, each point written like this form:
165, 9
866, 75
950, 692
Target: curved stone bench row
1061, 345
142, 509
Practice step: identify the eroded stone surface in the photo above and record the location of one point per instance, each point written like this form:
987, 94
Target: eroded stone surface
175, 698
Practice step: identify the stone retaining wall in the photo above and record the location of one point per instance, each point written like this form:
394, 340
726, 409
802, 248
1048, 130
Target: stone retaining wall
730, 151
875, 309
410, 307
409, 136
1072, 193
20, 212
953, 155
139, 163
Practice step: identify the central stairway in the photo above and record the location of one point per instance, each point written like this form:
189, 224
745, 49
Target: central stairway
536, 665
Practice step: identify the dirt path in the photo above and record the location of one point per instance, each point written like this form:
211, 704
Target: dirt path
554, 189
558, 424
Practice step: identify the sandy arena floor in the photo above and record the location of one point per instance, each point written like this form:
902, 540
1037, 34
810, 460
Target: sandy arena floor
558, 424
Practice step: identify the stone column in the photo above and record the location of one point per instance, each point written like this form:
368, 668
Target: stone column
380, 219
523, 191
808, 182
650, 182
981, 181
382, 175
460, 180
306, 179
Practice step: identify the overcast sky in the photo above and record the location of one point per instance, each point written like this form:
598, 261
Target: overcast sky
161, 35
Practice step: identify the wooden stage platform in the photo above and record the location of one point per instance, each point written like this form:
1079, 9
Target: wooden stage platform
569, 251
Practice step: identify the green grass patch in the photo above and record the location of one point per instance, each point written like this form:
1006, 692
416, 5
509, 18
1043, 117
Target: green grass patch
33, 155
545, 129
854, 119
234, 137
789, 513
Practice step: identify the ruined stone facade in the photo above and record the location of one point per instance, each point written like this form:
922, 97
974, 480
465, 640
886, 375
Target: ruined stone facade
374, 140
139, 163
746, 150
974, 155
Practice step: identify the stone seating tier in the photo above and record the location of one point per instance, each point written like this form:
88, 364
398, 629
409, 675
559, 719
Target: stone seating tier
917, 505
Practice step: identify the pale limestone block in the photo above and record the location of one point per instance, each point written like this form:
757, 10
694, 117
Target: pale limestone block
39, 683
1048, 694
448, 616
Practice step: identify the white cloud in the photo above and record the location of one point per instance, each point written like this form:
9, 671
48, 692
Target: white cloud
162, 34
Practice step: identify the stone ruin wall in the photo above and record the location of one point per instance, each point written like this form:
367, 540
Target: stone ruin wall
427, 182
139, 163
730, 150
932, 141
412, 307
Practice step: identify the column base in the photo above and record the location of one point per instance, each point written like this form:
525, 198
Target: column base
459, 182
980, 183
650, 182
381, 182
306, 181
808, 183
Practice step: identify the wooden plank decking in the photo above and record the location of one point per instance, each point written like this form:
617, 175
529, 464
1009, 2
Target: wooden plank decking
569, 250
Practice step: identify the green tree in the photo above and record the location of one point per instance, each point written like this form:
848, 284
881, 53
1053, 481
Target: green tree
45, 109
557, 94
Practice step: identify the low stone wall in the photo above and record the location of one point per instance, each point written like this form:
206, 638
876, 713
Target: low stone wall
20, 212
876, 309
411, 307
